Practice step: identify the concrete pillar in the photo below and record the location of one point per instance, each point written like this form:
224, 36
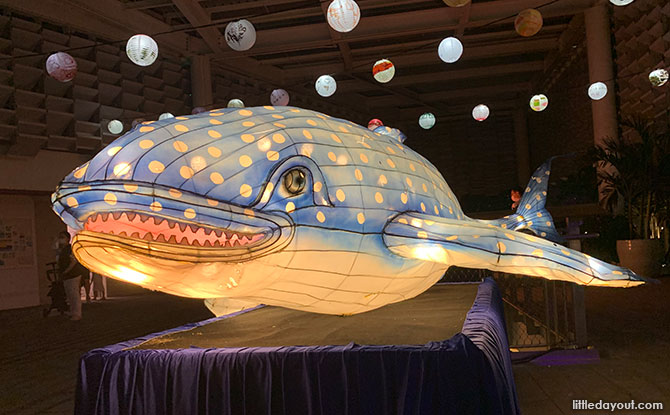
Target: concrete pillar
201, 81
522, 148
601, 68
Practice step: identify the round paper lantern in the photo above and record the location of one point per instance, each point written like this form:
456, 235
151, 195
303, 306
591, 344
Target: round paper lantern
142, 50
597, 91
658, 77
279, 97
197, 110
343, 15
383, 70
480, 112
427, 120
450, 49
621, 2
115, 127
456, 3
240, 35
165, 116
326, 85
235, 103
528, 22
539, 102
374, 123
61, 66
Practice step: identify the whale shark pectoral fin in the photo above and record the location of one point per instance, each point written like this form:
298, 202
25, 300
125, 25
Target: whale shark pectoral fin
222, 306
472, 244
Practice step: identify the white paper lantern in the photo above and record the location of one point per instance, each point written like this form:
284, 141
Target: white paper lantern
597, 91
658, 77
279, 97
343, 15
383, 71
165, 116
539, 102
115, 127
142, 50
235, 103
450, 49
480, 112
240, 35
61, 66
621, 2
326, 85
427, 120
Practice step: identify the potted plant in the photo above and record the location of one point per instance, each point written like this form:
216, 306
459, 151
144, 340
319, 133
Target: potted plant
633, 179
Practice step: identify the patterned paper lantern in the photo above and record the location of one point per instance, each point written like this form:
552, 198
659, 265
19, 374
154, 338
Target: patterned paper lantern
658, 77
343, 15
539, 102
279, 97
456, 3
61, 66
621, 2
142, 50
427, 120
165, 116
374, 123
240, 35
235, 103
383, 71
480, 112
450, 49
326, 85
528, 22
597, 91
115, 127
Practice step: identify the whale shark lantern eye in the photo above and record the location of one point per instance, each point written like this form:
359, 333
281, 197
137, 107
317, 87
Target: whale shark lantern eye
294, 181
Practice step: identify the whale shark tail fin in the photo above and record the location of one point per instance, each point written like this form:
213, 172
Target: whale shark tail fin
531, 213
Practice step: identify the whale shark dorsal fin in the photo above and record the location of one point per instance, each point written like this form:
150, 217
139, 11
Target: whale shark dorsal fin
222, 306
472, 244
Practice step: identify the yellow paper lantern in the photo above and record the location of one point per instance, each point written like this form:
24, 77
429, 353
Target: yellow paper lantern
528, 22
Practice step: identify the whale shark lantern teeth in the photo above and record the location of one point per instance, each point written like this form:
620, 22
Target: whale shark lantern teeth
160, 229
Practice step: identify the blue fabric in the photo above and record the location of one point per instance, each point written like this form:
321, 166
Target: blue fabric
467, 374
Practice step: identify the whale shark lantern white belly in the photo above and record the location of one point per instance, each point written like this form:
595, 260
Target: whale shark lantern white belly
290, 207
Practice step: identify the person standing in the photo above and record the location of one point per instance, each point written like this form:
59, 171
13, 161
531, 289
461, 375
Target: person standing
70, 272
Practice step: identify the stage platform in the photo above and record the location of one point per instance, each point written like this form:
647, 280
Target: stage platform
443, 352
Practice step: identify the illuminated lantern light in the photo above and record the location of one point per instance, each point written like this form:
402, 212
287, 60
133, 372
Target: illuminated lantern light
450, 49
197, 110
539, 102
597, 91
528, 22
115, 127
621, 2
480, 112
343, 15
374, 123
235, 103
279, 97
427, 120
165, 116
658, 77
240, 35
61, 66
456, 3
383, 71
326, 85
142, 50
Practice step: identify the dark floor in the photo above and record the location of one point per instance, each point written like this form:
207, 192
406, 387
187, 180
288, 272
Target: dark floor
630, 328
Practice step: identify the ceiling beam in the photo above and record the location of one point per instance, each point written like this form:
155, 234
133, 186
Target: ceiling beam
488, 92
463, 20
336, 37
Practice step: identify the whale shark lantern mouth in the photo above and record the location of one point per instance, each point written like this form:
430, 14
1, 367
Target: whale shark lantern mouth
164, 230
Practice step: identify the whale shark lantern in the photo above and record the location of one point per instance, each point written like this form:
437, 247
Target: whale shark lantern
290, 207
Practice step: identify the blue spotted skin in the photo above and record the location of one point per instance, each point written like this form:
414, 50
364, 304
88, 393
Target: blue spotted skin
224, 169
